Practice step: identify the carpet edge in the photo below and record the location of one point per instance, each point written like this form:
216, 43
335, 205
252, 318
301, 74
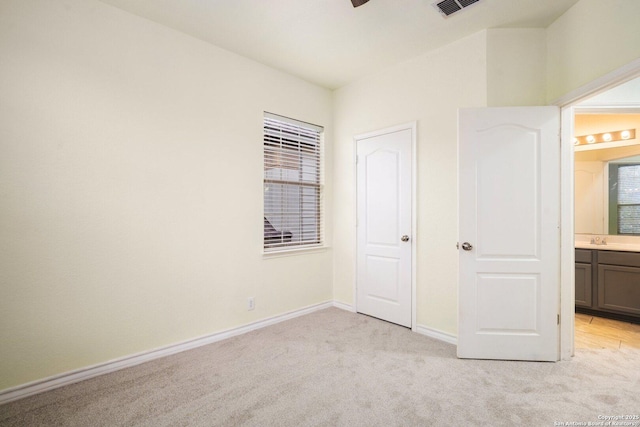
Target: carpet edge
56, 381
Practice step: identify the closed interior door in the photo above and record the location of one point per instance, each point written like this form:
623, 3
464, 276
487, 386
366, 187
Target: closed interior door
509, 258
384, 252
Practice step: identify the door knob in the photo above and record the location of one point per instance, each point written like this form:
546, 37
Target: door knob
467, 246
405, 238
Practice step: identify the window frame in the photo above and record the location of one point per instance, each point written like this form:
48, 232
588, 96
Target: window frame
614, 200
297, 154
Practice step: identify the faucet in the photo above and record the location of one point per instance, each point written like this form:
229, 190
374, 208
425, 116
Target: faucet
599, 240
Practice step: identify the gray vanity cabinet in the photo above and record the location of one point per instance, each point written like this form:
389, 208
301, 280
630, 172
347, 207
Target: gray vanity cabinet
608, 284
584, 283
619, 282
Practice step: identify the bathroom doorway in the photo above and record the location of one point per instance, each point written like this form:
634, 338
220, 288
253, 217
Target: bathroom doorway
606, 138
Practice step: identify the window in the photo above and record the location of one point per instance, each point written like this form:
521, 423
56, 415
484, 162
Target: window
624, 198
292, 183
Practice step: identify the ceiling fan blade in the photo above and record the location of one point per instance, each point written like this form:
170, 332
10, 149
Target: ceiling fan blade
357, 3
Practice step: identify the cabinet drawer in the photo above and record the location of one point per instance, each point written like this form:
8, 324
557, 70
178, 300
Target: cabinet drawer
583, 255
619, 289
630, 259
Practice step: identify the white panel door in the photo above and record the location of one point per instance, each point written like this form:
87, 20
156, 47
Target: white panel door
384, 180
509, 213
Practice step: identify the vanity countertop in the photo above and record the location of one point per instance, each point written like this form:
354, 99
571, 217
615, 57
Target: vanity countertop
626, 247
614, 242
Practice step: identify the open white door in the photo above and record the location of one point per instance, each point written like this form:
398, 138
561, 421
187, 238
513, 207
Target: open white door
384, 206
509, 213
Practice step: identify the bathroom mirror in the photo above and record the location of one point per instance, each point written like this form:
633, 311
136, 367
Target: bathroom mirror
603, 158
607, 177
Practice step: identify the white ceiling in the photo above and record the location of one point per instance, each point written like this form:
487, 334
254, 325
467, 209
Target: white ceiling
330, 43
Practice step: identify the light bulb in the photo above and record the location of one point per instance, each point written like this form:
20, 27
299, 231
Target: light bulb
606, 137
591, 139
625, 134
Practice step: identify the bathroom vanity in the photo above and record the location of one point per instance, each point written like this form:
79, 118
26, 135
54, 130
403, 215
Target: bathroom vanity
608, 281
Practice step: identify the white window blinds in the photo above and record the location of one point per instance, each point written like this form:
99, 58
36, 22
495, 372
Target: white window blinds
292, 183
629, 199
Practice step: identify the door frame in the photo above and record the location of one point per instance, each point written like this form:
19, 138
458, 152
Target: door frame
413, 127
567, 166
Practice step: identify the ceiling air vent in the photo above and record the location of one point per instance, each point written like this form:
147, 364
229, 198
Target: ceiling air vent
448, 7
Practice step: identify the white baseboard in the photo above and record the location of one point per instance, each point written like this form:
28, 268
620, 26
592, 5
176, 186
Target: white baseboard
420, 329
50, 383
82, 374
439, 335
343, 306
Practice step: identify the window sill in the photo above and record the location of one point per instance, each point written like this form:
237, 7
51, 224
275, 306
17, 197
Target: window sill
294, 252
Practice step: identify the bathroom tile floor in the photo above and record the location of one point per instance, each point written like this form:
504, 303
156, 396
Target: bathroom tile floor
598, 333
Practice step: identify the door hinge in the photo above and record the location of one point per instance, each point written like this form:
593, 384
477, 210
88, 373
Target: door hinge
558, 319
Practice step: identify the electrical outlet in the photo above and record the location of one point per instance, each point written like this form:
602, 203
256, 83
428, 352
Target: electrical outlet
251, 303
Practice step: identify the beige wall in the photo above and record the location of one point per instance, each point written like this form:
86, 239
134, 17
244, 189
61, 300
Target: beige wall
130, 179
591, 39
428, 89
516, 67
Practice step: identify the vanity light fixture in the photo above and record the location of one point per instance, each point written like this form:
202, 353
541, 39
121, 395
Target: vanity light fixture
620, 135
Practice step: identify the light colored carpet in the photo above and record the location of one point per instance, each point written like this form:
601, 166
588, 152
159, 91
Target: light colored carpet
335, 368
